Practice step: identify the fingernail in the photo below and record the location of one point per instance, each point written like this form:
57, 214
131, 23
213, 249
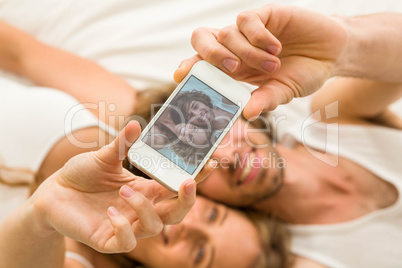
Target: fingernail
190, 188
127, 191
113, 211
270, 66
274, 50
230, 65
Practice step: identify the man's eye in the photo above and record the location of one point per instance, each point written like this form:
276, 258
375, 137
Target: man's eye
200, 254
213, 215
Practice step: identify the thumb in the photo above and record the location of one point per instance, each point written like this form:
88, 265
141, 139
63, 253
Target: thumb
185, 67
267, 98
117, 150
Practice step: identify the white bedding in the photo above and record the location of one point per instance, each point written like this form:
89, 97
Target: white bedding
143, 41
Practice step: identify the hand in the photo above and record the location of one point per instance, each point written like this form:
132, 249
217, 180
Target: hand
92, 199
286, 51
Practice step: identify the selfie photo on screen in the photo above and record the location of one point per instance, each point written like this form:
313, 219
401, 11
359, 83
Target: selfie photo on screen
187, 129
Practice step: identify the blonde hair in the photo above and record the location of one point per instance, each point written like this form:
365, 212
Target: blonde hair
274, 238
17, 177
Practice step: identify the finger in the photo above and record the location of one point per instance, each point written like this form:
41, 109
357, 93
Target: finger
173, 211
251, 56
185, 67
267, 98
117, 150
152, 190
252, 26
155, 192
205, 42
148, 223
124, 239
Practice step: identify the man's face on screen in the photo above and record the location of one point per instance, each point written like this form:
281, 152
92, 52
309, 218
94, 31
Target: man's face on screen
198, 113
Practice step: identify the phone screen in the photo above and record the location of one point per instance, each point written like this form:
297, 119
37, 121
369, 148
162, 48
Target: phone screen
188, 128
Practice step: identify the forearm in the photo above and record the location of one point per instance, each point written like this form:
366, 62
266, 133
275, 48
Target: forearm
373, 47
106, 95
26, 241
12, 45
358, 99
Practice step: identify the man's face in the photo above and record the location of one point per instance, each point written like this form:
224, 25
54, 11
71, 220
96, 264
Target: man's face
249, 168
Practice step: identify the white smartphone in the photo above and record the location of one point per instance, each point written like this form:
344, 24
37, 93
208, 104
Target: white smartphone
181, 137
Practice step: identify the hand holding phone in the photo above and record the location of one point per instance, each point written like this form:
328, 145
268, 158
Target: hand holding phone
181, 137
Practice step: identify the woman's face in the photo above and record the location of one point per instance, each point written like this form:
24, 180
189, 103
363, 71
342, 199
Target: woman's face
199, 113
192, 135
211, 235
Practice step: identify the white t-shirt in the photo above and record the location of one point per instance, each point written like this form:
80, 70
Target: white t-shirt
32, 120
374, 240
371, 241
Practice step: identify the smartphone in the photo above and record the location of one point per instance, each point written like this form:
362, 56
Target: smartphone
189, 126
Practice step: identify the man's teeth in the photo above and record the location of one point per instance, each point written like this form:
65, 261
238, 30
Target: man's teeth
247, 169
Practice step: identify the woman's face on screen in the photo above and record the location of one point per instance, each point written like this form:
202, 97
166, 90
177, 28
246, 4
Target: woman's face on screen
211, 235
192, 134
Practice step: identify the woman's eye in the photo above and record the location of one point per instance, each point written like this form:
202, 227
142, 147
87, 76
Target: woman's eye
200, 254
213, 215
